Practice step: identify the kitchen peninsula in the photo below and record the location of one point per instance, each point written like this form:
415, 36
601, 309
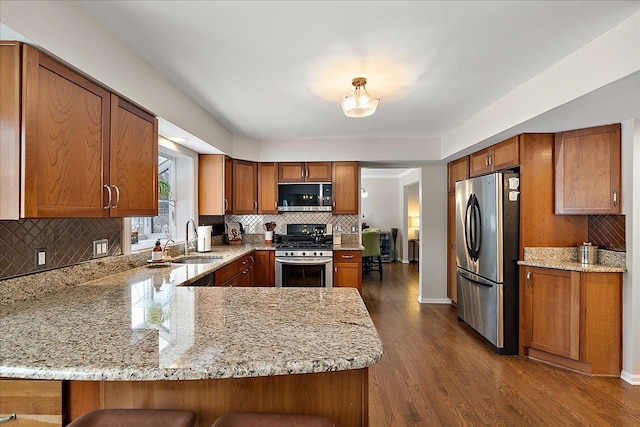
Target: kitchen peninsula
140, 339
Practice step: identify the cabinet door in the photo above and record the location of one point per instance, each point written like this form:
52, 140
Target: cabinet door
479, 163
228, 185
291, 172
245, 189
458, 170
66, 141
588, 174
211, 172
267, 188
347, 269
10, 130
247, 272
37, 403
133, 160
505, 154
318, 172
346, 195
264, 269
552, 311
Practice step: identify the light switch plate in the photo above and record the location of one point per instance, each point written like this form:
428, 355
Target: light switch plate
40, 259
100, 248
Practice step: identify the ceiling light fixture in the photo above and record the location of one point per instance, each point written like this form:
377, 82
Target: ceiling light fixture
360, 103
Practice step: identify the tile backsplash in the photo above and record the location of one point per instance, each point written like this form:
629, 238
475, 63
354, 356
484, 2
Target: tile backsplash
608, 231
254, 224
67, 241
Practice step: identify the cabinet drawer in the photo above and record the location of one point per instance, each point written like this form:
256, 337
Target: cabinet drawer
36, 403
236, 267
346, 257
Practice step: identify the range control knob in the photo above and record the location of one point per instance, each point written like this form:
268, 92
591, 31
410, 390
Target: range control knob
315, 254
304, 253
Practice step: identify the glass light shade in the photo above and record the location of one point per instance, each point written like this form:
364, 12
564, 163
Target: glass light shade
360, 103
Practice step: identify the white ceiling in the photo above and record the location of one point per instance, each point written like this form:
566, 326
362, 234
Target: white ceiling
277, 70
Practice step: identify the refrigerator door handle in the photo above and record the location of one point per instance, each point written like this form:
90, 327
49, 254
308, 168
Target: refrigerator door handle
472, 225
475, 281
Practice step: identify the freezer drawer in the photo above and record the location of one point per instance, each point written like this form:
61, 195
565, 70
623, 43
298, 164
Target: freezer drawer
480, 305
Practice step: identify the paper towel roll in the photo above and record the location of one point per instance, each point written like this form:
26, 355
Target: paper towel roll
204, 238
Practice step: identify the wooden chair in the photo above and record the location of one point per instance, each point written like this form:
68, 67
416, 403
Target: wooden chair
371, 243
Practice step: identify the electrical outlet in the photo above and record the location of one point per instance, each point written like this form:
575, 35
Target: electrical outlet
40, 257
100, 248
353, 228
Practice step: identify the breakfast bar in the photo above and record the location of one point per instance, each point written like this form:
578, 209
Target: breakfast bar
141, 339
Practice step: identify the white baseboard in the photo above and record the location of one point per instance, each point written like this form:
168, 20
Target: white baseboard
633, 379
434, 300
405, 261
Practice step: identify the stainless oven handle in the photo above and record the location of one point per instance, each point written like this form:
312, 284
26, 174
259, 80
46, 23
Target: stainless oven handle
304, 260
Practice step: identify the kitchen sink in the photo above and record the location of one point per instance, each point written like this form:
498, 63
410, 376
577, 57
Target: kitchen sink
197, 260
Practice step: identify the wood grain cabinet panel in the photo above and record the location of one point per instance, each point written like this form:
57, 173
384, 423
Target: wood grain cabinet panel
245, 187
36, 403
304, 172
346, 194
458, 170
588, 171
215, 190
572, 319
347, 269
267, 188
265, 264
10, 68
133, 160
500, 156
86, 152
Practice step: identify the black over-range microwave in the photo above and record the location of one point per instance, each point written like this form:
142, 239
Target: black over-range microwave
304, 197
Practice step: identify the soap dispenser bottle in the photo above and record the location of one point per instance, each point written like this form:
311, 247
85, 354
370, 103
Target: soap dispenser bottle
156, 254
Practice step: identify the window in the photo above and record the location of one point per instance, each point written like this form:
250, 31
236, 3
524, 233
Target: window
176, 190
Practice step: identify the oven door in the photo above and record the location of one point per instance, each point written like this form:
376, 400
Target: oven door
304, 272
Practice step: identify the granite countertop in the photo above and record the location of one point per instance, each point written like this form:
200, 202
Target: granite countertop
567, 259
348, 247
141, 324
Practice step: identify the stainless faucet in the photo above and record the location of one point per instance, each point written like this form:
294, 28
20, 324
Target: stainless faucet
186, 236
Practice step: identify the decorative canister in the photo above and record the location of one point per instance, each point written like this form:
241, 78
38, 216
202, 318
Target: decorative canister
587, 253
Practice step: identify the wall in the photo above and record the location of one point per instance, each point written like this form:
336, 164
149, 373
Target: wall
413, 209
67, 241
433, 235
381, 209
631, 279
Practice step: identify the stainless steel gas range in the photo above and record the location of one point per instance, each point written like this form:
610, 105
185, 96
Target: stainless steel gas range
305, 257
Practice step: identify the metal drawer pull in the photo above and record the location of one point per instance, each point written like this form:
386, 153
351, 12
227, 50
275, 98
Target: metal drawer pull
117, 196
108, 201
528, 279
226, 205
9, 418
615, 198
347, 256
255, 205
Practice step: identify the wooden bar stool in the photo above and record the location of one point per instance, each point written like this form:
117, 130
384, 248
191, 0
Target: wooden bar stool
259, 419
136, 418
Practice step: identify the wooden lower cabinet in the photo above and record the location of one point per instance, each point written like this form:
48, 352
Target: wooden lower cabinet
572, 319
347, 269
36, 403
341, 396
237, 273
265, 274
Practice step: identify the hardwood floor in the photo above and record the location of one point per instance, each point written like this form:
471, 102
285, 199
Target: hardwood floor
438, 372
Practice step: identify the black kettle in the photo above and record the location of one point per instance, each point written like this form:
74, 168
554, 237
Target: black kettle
319, 237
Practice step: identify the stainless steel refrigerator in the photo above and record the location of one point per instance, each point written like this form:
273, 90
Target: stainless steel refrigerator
487, 230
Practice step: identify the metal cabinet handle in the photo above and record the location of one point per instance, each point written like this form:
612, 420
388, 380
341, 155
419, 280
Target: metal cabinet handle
275, 205
255, 205
9, 418
615, 198
108, 205
529, 279
252, 260
226, 204
486, 160
307, 173
347, 256
117, 196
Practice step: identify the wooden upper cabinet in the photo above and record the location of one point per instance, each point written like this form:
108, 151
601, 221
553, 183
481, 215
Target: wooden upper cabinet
458, 170
133, 160
587, 171
346, 194
304, 172
86, 152
267, 188
245, 187
66, 141
500, 156
10, 61
214, 184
